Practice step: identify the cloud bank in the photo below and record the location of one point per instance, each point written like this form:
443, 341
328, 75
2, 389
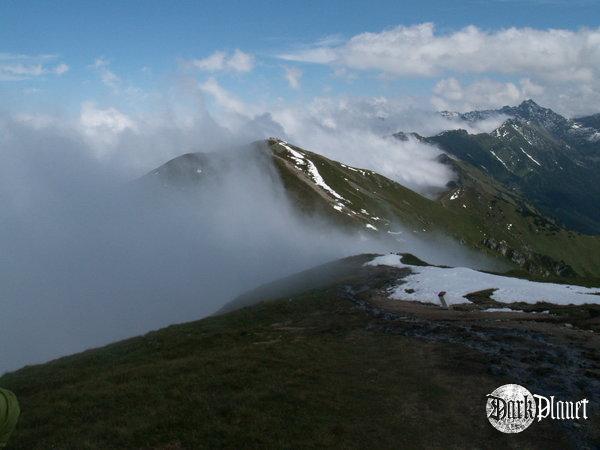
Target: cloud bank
419, 50
15, 67
238, 61
293, 76
451, 94
355, 131
558, 67
89, 257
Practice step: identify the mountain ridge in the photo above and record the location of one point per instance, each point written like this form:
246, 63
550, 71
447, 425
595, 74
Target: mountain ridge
475, 211
550, 160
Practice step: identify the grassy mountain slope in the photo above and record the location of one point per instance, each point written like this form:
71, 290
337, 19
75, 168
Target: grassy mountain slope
499, 219
476, 210
309, 370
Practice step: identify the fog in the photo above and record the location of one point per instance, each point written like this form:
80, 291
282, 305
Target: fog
357, 131
88, 257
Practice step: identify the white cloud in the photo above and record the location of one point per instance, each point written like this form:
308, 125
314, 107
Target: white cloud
224, 98
221, 61
419, 51
117, 85
109, 119
24, 67
358, 132
353, 131
568, 99
293, 76
91, 251
37, 121
319, 55
61, 69
557, 67
450, 94
241, 62
20, 71
211, 63
102, 127
107, 76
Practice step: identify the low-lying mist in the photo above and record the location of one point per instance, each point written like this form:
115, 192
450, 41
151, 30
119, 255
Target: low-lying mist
88, 258
359, 132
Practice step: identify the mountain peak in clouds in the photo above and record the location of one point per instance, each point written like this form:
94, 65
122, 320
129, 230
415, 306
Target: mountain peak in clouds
550, 159
530, 111
527, 111
529, 103
529, 108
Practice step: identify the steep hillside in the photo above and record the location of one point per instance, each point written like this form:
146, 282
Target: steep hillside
550, 160
573, 131
476, 210
502, 221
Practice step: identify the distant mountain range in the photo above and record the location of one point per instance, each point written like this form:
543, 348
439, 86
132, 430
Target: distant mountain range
480, 209
550, 160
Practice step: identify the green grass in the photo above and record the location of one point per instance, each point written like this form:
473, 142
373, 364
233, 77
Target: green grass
304, 373
489, 209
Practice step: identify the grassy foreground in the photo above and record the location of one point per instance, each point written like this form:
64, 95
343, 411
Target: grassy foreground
307, 372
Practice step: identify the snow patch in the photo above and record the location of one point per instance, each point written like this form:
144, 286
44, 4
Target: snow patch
301, 160
427, 282
530, 157
296, 156
594, 137
518, 130
362, 172
498, 158
508, 310
491, 310
318, 179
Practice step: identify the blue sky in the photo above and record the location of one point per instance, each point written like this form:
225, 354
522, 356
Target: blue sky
147, 44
